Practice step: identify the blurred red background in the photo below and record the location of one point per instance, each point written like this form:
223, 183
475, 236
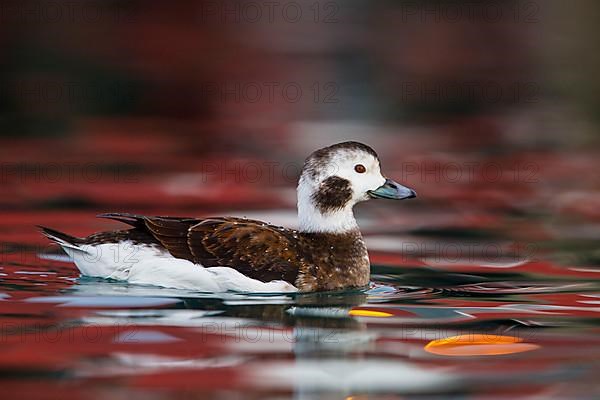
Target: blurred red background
189, 107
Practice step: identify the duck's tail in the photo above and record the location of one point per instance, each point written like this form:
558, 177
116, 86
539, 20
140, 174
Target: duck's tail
88, 261
64, 240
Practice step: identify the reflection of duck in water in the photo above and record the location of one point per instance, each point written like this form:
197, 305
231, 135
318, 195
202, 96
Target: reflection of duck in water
319, 310
225, 253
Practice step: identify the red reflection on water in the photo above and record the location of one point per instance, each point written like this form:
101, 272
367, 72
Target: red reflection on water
432, 294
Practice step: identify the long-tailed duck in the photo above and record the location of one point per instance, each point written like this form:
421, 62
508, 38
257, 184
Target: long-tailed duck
218, 254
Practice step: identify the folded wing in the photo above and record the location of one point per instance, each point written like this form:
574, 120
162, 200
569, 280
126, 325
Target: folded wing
258, 250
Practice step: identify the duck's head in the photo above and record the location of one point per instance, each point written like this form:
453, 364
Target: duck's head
337, 177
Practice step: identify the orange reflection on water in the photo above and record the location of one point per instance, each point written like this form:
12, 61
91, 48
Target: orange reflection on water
369, 313
478, 345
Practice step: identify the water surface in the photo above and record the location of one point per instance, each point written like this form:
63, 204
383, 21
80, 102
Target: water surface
469, 299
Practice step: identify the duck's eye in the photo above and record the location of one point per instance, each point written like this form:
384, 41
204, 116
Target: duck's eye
360, 168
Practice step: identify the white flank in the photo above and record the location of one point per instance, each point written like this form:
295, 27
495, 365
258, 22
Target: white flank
149, 265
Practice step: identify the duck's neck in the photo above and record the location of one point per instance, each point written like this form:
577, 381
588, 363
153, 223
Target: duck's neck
312, 220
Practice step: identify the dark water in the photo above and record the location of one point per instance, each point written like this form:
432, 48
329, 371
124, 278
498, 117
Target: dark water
490, 291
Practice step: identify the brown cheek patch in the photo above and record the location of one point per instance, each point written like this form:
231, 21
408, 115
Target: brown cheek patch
334, 192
